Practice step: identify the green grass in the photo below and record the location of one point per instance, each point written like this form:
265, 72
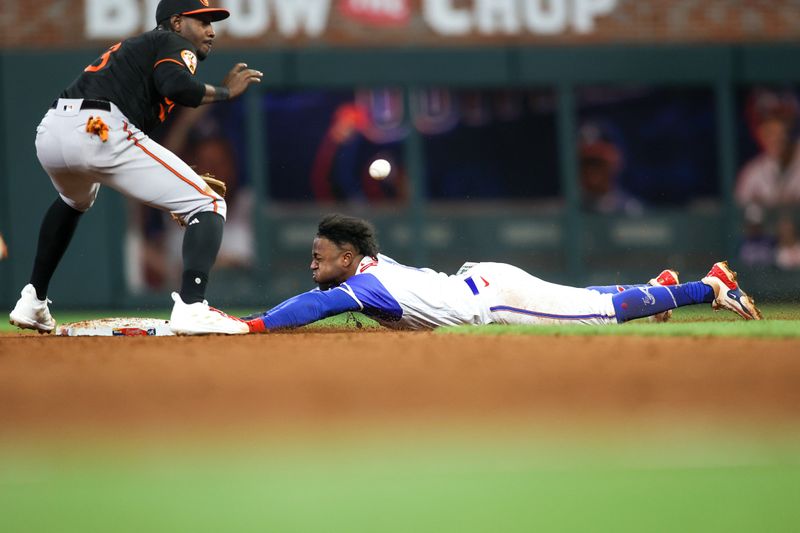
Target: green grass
457, 484
781, 321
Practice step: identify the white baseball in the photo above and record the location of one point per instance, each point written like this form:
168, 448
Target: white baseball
379, 169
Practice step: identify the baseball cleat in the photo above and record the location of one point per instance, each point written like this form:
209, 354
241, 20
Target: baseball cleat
31, 312
665, 279
201, 319
727, 293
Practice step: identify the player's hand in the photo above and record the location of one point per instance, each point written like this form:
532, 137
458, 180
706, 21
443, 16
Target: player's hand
239, 79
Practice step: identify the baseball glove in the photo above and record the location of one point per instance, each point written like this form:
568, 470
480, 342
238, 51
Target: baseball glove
218, 186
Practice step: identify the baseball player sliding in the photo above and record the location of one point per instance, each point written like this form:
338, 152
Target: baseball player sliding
96, 133
353, 276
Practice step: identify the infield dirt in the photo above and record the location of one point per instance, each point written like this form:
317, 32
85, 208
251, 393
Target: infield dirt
311, 379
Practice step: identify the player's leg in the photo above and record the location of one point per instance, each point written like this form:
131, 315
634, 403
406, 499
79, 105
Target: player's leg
648, 301
718, 288
155, 176
519, 298
151, 174
55, 235
60, 154
77, 193
31, 310
665, 278
512, 296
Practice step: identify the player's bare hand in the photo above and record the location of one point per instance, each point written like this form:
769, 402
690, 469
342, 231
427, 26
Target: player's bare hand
240, 77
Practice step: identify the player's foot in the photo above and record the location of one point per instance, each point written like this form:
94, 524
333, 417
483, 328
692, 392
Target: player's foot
665, 279
31, 312
727, 293
201, 319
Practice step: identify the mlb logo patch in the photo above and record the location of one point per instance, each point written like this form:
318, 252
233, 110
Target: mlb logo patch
190, 59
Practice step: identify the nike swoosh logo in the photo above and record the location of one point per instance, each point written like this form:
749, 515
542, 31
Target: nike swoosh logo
737, 297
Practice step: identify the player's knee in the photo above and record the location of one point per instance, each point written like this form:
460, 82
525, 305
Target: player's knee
216, 205
82, 205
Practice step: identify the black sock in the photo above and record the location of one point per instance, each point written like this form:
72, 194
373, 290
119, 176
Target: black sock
200, 246
55, 234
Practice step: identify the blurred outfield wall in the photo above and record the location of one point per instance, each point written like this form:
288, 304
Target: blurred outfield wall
494, 49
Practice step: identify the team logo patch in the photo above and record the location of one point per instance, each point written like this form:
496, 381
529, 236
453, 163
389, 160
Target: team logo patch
190, 59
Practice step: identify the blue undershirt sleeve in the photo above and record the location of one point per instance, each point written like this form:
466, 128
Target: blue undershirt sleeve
308, 307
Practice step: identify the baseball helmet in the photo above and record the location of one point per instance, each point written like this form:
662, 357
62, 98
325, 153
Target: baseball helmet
167, 8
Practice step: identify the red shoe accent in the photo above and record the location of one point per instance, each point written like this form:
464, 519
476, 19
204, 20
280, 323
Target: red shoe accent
256, 325
226, 315
667, 278
722, 272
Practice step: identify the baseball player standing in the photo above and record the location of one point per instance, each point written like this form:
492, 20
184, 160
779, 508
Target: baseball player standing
96, 133
353, 276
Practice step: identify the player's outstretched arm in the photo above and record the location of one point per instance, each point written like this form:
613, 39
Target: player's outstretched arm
235, 84
303, 309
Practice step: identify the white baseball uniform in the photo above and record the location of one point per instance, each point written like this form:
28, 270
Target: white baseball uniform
403, 297
481, 293
78, 162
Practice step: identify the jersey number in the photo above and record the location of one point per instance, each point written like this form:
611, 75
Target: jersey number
103, 59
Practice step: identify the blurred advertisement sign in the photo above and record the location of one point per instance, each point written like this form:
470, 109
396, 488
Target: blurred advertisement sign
108, 19
354, 23
111, 19
514, 17
377, 12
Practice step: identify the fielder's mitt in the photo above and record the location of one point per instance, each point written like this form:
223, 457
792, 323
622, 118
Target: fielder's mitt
218, 186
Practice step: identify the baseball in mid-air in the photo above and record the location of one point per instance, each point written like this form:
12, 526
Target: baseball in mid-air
379, 169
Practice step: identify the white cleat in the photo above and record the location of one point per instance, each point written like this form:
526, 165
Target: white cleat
201, 319
727, 293
665, 279
31, 312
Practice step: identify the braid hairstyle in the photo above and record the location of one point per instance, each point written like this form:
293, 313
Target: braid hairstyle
342, 229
